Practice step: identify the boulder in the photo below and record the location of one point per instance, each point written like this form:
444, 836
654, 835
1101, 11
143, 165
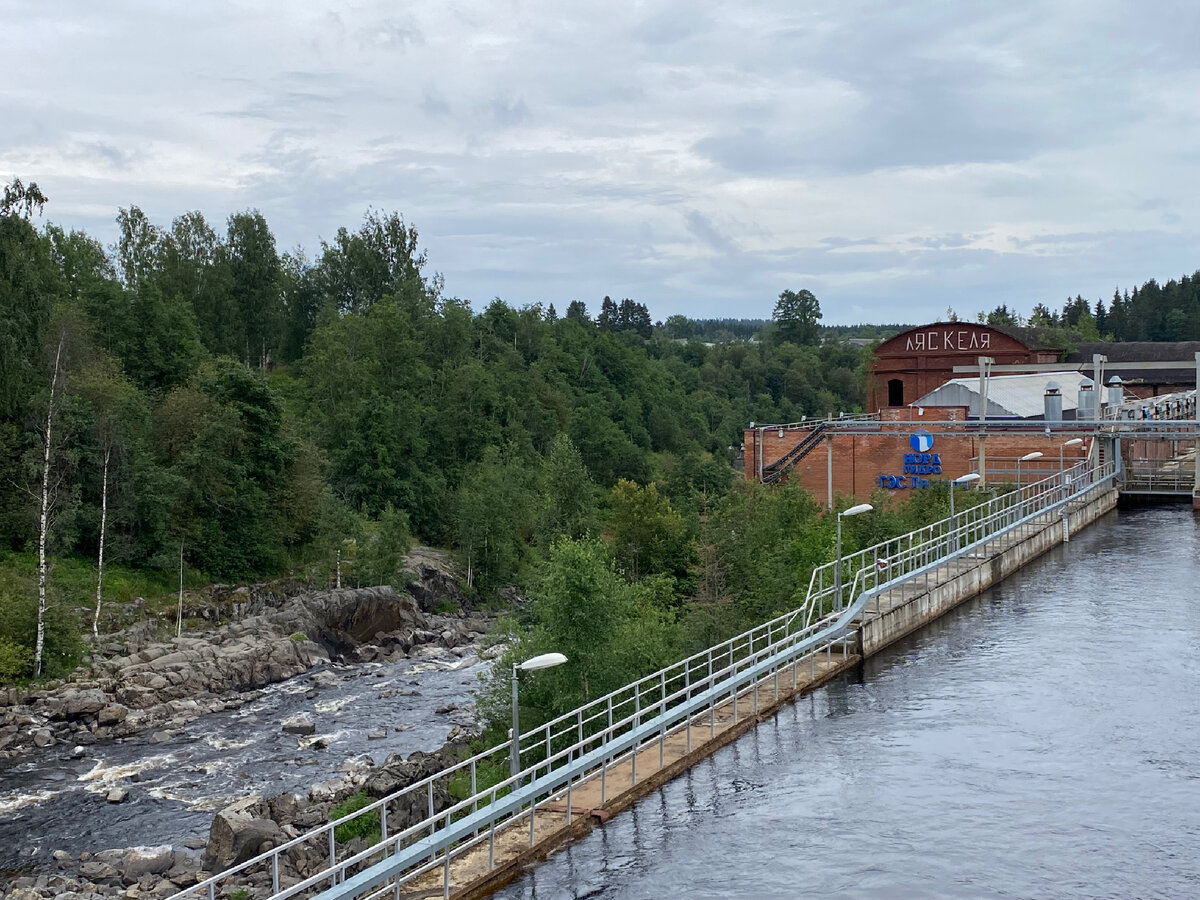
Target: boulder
80, 703
236, 836
118, 795
300, 724
141, 861
112, 714
330, 790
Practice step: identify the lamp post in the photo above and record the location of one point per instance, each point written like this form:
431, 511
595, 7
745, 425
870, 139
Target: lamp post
1036, 454
544, 661
1062, 469
837, 571
964, 480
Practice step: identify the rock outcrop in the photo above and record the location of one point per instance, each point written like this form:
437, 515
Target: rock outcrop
167, 684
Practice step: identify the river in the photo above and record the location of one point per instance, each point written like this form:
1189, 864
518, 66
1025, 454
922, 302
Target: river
49, 801
1039, 741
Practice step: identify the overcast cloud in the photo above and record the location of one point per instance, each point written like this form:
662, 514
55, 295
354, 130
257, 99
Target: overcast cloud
895, 159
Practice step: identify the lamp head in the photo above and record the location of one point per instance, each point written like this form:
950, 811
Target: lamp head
856, 510
968, 478
544, 661
1036, 454
1074, 442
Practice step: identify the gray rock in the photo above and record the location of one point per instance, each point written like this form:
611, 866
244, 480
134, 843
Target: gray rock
236, 837
141, 861
42, 738
300, 724
112, 714
376, 735
118, 795
99, 872
329, 790
83, 702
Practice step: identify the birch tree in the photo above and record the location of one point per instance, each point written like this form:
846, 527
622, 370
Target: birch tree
48, 499
106, 391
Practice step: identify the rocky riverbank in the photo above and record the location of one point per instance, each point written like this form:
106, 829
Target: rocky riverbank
239, 832
149, 693
163, 685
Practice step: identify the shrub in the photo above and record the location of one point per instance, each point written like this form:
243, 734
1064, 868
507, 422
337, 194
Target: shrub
366, 825
15, 661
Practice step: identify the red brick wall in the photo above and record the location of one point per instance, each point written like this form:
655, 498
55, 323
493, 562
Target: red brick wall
924, 358
859, 459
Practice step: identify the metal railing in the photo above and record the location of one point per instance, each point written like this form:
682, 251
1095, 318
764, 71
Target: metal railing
586, 743
1141, 479
898, 558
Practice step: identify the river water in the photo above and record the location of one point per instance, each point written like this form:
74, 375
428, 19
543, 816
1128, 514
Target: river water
1040, 741
50, 802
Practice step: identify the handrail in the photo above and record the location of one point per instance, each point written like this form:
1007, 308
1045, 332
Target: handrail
774, 471
611, 728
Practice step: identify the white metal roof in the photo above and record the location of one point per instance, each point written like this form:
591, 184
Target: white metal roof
1009, 396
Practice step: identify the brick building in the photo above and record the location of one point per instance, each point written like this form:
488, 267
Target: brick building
903, 447
917, 361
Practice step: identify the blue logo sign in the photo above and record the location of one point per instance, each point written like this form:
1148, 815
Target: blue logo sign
917, 465
921, 441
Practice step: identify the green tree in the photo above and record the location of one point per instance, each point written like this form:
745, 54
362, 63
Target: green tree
255, 287
493, 516
28, 288
648, 536
384, 549
567, 492
796, 314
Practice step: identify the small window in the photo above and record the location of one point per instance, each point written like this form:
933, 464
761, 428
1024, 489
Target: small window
895, 392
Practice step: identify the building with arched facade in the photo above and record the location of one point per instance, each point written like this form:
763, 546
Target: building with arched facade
920, 360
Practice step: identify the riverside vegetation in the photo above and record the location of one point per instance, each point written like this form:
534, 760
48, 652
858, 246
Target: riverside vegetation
196, 401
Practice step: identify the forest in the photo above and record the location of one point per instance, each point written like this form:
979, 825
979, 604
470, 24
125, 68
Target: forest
194, 394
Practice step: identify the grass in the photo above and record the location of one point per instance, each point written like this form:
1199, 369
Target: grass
71, 603
73, 580
366, 825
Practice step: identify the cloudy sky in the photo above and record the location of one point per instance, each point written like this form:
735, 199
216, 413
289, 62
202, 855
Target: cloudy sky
894, 158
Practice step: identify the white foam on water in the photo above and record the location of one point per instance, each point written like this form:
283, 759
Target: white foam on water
338, 703
217, 742
103, 775
19, 801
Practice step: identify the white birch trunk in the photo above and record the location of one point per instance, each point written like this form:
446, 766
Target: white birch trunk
179, 615
100, 558
44, 519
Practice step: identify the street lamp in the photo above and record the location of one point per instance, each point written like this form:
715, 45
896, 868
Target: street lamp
544, 661
837, 571
961, 479
1036, 454
1074, 442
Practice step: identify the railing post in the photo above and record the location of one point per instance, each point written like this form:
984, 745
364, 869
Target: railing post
332, 858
